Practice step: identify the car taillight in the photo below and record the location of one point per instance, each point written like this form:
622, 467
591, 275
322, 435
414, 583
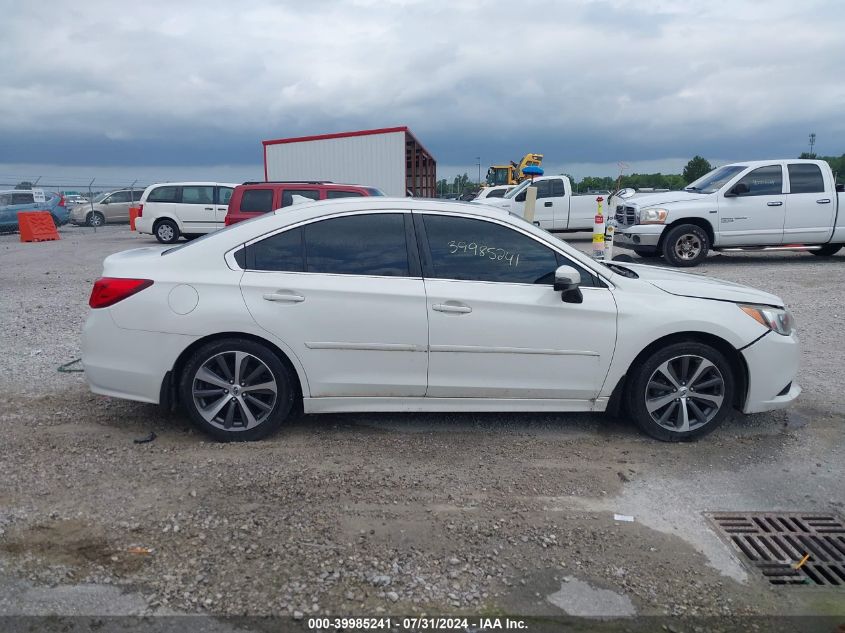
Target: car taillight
140, 210
227, 220
109, 290
62, 201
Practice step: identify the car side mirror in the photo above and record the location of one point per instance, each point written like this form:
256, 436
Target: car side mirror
567, 280
739, 189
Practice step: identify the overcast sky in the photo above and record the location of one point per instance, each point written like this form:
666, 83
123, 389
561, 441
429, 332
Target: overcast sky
165, 90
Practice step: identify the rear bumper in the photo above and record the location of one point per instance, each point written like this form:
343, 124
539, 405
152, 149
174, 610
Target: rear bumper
144, 225
136, 373
638, 236
772, 366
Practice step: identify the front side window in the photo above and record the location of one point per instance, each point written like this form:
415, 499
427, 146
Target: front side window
763, 181
22, 198
496, 193
164, 194
298, 196
257, 201
119, 196
358, 245
197, 195
805, 178
477, 250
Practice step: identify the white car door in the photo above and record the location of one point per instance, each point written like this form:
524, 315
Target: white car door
223, 195
346, 295
810, 207
497, 328
197, 210
755, 215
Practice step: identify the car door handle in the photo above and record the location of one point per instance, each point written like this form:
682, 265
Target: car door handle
451, 308
284, 297
547, 204
774, 204
209, 208
823, 201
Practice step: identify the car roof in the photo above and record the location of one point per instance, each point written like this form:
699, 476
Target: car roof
304, 183
204, 183
320, 208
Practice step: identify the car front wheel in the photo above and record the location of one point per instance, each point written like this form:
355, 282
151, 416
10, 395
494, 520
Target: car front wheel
237, 390
685, 245
681, 392
96, 219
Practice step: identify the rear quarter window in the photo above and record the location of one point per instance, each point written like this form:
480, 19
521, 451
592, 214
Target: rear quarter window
164, 194
257, 201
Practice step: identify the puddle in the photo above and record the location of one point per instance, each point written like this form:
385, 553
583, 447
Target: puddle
795, 419
580, 598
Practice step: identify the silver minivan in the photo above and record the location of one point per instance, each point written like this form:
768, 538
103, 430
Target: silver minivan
112, 207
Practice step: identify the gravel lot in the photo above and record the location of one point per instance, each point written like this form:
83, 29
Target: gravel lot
369, 514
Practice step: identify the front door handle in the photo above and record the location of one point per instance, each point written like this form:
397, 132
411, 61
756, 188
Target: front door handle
774, 204
823, 201
209, 209
452, 308
547, 204
284, 297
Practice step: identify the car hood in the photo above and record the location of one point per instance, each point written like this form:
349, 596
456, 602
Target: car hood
699, 286
667, 197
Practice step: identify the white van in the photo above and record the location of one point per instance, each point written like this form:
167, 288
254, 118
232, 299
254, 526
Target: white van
171, 209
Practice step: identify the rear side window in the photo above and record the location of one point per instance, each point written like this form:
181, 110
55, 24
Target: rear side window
764, 181
297, 196
805, 179
257, 201
358, 245
497, 193
332, 194
283, 252
22, 198
119, 196
197, 195
164, 194
224, 194
136, 194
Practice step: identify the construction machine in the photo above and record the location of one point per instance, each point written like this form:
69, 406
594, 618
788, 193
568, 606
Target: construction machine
513, 174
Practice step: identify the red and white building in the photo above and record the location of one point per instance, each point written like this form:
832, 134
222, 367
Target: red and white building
391, 159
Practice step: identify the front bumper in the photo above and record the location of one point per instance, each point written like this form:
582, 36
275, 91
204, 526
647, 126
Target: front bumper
772, 366
638, 236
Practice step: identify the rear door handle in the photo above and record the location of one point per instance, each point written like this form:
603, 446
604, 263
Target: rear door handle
451, 308
547, 204
209, 208
823, 201
284, 297
774, 204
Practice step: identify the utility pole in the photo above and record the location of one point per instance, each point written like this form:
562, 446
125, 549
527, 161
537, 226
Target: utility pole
812, 142
478, 158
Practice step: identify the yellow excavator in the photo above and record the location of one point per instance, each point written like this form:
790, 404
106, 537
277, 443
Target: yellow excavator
514, 173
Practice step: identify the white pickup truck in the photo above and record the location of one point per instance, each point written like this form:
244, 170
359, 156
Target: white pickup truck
767, 205
557, 209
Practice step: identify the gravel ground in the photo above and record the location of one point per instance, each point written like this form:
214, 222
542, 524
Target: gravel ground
382, 513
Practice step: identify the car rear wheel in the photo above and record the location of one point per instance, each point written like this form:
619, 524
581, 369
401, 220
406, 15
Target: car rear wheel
827, 250
166, 231
686, 245
95, 219
237, 390
681, 392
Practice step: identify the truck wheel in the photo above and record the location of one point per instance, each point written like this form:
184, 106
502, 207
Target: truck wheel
646, 253
686, 245
827, 250
681, 392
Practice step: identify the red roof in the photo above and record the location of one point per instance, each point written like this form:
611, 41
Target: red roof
321, 137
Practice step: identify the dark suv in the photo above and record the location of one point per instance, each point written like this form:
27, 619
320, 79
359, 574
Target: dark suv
254, 198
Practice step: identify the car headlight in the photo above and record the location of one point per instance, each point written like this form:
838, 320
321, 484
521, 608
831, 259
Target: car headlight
778, 320
653, 216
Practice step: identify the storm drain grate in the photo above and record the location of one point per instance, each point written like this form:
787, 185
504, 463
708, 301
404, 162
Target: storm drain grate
791, 548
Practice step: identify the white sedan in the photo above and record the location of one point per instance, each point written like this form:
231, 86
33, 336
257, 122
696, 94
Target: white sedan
379, 304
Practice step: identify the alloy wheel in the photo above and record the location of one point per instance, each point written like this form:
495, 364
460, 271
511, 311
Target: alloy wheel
685, 393
165, 232
234, 391
688, 246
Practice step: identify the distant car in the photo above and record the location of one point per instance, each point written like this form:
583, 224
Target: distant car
74, 199
498, 191
252, 199
397, 304
190, 209
14, 200
111, 207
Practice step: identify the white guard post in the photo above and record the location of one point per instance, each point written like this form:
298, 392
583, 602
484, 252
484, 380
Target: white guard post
598, 232
530, 203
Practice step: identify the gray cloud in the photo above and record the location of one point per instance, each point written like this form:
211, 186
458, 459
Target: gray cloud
193, 83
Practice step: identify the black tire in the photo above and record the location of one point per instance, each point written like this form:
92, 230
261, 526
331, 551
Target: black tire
649, 386
685, 245
273, 410
648, 253
166, 231
95, 219
828, 250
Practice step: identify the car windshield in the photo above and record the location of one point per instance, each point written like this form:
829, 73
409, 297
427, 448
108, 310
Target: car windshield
101, 197
715, 179
516, 191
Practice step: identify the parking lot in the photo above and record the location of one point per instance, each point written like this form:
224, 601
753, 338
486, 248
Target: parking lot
388, 513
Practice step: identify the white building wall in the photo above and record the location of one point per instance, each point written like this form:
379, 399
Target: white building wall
374, 160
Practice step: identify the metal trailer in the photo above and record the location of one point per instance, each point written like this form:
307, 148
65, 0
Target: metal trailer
391, 159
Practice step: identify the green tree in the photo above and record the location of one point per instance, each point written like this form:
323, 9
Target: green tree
24, 184
696, 168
